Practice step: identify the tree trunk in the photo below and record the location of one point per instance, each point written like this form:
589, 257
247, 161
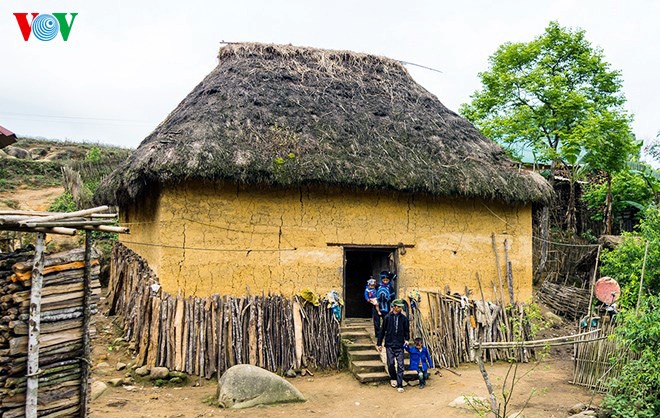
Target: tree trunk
607, 218
571, 219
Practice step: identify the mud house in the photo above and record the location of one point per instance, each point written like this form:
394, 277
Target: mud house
289, 168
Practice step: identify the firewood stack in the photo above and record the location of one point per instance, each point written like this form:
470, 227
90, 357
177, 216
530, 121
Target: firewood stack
61, 331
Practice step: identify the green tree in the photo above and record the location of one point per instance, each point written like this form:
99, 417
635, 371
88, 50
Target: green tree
545, 94
636, 392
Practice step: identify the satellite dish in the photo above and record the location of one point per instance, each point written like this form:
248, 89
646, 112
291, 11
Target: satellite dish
607, 290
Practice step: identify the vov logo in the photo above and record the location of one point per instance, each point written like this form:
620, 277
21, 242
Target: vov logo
45, 27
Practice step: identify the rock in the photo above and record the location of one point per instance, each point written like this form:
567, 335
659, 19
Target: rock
103, 369
18, 153
120, 366
142, 371
127, 381
577, 408
180, 375
552, 319
244, 386
115, 382
38, 153
159, 373
290, 373
98, 388
103, 365
471, 403
176, 380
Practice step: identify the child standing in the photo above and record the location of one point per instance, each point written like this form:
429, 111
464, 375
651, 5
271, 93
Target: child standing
420, 360
370, 296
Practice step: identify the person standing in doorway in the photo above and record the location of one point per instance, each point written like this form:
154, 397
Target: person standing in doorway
370, 296
395, 332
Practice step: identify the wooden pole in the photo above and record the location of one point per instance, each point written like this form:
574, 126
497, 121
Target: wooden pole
641, 279
65, 215
33, 329
87, 314
497, 265
509, 270
493, 400
593, 283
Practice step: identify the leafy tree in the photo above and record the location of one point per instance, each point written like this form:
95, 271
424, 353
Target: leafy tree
624, 263
636, 392
546, 94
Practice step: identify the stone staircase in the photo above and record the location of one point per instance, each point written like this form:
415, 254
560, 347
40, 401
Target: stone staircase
364, 361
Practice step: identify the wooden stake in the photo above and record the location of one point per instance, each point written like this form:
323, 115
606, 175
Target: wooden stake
641, 279
497, 265
593, 283
509, 270
84, 364
33, 332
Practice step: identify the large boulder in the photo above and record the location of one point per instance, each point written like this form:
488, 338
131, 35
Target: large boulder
18, 153
244, 386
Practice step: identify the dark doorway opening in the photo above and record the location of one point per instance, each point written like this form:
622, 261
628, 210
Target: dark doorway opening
359, 265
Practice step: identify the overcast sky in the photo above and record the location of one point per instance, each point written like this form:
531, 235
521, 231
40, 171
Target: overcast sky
127, 64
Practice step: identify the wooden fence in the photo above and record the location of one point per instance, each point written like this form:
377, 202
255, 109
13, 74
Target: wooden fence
204, 336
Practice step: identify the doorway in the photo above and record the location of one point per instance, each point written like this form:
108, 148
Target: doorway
359, 265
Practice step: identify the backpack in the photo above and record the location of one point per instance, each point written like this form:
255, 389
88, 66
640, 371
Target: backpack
383, 296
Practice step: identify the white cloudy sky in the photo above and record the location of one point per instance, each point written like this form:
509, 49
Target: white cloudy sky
127, 64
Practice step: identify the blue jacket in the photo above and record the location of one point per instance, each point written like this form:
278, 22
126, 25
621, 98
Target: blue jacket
419, 355
369, 293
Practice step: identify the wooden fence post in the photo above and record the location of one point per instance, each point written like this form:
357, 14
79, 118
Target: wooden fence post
87, 316
33, 328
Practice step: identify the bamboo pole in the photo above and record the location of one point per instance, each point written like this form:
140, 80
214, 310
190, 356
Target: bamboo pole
509, 270
641, 279
497, 265
65, 215
35, 322
84, 364
593, 283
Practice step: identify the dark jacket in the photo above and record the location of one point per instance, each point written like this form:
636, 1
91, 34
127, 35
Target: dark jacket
395, 330
417, 356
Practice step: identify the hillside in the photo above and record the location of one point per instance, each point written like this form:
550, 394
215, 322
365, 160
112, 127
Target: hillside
31, 169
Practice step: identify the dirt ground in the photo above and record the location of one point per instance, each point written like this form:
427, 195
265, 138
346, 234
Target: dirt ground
338, 394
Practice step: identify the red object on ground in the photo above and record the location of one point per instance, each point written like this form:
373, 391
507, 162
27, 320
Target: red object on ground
607, 290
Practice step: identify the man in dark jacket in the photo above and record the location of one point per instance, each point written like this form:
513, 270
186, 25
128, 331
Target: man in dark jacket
395, 330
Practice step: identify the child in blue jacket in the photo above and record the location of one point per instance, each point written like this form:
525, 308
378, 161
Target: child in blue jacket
370, 296
420, 360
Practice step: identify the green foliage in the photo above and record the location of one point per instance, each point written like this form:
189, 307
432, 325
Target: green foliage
93, 155
624, 263
63, 203
628, 189
547, 93
636, 392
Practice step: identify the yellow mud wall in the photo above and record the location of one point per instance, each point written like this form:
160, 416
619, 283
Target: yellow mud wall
228, 239
142, 220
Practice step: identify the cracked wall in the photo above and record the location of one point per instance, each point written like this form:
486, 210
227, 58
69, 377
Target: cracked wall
231, 239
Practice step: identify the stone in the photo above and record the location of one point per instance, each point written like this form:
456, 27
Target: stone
115, 382
180, 375
159, 373
127, 381
552, 319
577, 408
18, 153
176, 380
97, 389
471, 403
103, 365
120, 366
290, 373
244, 386
142, 371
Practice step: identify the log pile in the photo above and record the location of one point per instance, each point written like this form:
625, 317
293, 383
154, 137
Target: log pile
205, 336
456, 323
61, 332
568, 301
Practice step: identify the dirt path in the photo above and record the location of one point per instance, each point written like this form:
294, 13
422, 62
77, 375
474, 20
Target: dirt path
30, 199
340, 395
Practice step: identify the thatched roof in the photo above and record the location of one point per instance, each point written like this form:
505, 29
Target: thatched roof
284, 115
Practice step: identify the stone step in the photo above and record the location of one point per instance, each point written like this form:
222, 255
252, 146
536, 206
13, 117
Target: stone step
361, 355
354, 335
383, 376
352, 328
367, 366
357, 346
